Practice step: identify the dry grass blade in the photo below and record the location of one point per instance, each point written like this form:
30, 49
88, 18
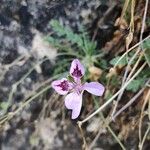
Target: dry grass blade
106, 125
144, 19
130, 49
84, 146
129, 103
144, 138
124, 8
127, 78
129, 38
114, 96
146, 100
28, 100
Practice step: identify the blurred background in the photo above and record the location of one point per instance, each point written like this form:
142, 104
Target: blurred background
39, 39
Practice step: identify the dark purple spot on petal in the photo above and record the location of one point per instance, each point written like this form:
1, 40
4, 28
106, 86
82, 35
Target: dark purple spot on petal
64, 85
77, 73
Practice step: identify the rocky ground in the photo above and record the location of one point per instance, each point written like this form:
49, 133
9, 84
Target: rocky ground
23, 26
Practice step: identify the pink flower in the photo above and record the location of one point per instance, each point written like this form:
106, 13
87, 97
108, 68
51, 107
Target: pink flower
74, 89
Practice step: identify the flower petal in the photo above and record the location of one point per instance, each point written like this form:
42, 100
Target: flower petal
61, 86
94, 88
76, 69
73, 101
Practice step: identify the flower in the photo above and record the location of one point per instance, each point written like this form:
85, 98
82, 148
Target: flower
74, 89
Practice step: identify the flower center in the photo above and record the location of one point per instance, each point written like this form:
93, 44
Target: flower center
77, 87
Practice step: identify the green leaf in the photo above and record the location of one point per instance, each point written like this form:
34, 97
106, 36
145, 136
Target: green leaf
136, 84
146, 46
57, 27
147, 56
108, 95
122, 61
67, 33
81, 39
4, 105
70, 78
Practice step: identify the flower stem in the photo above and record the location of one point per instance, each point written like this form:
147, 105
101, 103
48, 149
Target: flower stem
114, 96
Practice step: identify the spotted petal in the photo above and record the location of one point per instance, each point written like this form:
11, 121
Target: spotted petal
94, 88
76, 69
73, 101
61, 86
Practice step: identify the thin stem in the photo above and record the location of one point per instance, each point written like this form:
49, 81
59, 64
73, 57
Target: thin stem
149, 109
112, 132
129, 103
14, 86
84, 146
95, 139
125, 79
130, 49
106, 122
144, 19
114, 96
134, 67
143, 27
117, 139
144, 138
141, 116
12, 114
126, 72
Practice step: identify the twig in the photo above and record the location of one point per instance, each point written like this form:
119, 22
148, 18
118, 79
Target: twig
110, 130
12, 114
84, 146
144, 138
106, 122
114, 96
149, 109
124, 9
129, 103
95, 139
125, 79
7, 67
130, 49
143, 26
144, 19
116, 137
132, 16
141, 37
102, 20
141, 116
134, 67
14, 86
126, 71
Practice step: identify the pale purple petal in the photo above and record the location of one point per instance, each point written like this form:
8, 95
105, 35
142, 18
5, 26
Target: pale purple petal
73, 101
61, 86
76, 69
94, 88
